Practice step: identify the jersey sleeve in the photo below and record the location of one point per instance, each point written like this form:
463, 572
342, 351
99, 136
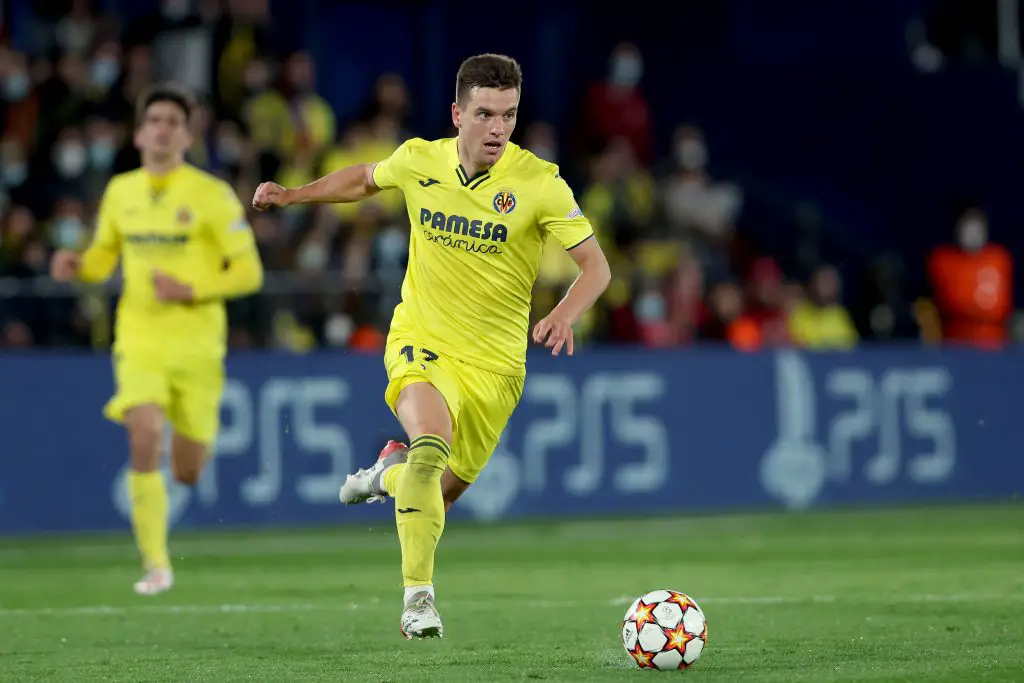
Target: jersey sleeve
100, 259
394, 171
228, 225
560, 215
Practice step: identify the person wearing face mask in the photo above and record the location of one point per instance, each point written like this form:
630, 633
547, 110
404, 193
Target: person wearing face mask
16, 86
615, 107
972, 285
70, 158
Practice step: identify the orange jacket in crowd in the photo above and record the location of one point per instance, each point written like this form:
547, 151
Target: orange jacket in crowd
973, 293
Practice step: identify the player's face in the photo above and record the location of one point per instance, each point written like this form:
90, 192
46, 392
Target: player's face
163, 132
485, 122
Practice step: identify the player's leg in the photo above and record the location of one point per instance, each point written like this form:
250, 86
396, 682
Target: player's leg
194, 411
488, 400
425, 398
393, 459
419, 505
143, 391
188, 458
452, 488
148, 495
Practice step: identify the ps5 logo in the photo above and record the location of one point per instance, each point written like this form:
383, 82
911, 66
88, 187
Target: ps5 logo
877, 427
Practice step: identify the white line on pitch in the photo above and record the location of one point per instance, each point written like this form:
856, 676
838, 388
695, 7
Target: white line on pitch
104, 610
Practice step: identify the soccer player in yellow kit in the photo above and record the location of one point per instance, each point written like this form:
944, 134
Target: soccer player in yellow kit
185, 246
481, 209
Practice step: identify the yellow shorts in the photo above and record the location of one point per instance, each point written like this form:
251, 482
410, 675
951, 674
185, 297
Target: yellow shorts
188, 389
480, 401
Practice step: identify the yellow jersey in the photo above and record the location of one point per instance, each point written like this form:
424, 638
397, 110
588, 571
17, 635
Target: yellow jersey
476, 247
188, 224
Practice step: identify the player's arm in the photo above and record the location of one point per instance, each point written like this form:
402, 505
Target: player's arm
349, 184
561, 219
243, 270
100, 259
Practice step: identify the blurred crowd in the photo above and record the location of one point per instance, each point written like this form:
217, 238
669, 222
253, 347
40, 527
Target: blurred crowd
684, 272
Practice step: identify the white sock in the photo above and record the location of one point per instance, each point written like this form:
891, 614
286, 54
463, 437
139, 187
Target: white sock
377, 483
413, 590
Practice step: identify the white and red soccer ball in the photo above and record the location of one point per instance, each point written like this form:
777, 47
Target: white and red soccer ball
664, 630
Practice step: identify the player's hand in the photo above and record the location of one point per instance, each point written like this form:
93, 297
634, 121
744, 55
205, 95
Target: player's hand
64, 265
268, 195
169, 289
554, 332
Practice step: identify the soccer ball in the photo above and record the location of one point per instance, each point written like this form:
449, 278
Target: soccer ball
664, 630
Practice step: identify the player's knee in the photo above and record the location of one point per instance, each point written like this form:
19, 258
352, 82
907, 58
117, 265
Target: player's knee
422, 410
145, 435
185, 475
451, 488
187, 459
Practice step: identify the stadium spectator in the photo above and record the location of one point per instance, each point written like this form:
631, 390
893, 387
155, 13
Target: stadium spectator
728, 322
697, 208
972, 284
883, 311
820, 322
768, 303
615, 107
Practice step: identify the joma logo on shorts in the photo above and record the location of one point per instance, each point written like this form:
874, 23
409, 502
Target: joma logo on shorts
460, 225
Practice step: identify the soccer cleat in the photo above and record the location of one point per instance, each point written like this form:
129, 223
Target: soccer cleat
364, 486
420, 618
155, 581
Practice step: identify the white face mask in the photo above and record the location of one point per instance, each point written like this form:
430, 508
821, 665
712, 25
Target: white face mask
101, 154
229, 150
14, 173
104, 72
973, 234
338, 329
626, 70
391, 247
650, 306
67, 232
691, 154
16, 87
71, 159
312, 257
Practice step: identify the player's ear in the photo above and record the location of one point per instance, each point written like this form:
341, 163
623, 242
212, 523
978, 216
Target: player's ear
456, 114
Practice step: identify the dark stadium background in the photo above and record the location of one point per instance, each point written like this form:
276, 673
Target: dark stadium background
767, 410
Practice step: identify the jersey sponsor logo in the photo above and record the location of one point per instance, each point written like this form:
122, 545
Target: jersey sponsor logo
140, 238
504, 202
427, 182
460, 225
575, 213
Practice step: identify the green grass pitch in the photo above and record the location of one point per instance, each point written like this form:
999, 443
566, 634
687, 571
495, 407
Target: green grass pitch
924, 594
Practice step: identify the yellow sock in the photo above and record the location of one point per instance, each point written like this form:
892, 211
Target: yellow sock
419, 507
148, 495
390, 477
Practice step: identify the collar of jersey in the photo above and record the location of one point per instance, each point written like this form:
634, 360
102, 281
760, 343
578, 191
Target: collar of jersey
479, 178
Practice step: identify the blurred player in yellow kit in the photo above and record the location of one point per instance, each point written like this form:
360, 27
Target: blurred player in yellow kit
481, 209
185, 246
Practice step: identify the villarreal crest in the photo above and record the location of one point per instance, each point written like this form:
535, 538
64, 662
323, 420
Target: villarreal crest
504, 202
